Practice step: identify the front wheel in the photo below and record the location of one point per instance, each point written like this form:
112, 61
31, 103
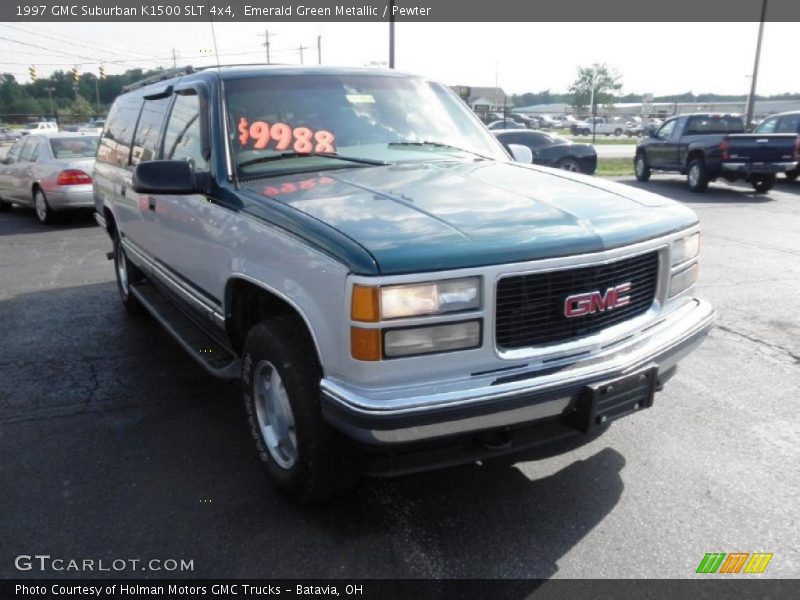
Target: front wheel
618, 132
641, 168
763, 184
5, 206
569, 164
697, 175
303, 456
792, 175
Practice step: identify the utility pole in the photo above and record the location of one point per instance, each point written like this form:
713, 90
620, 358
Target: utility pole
50, 97
301, 48
97, 94
751, 99
319, 49
266, 44
391, 34
593, 109
174, 58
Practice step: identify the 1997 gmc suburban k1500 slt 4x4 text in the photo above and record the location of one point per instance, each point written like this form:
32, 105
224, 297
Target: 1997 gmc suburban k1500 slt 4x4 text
394, 292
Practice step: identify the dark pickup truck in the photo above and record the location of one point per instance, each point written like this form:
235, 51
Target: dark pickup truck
788, 122
706, 146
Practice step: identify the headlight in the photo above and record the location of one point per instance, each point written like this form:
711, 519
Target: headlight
683, 280
685, 248
431, 338
415, 299
373, 304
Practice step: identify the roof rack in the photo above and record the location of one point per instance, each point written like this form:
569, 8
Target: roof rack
258, 64
188, 69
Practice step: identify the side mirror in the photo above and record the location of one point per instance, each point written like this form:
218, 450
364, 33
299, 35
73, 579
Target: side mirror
521, 154
164, 177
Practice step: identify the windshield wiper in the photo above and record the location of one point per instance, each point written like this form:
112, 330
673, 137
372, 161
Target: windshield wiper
286, 155
437, 145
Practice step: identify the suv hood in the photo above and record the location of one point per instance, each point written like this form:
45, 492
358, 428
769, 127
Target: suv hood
448, 215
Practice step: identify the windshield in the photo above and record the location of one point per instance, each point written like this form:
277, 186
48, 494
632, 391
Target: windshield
373, 118
74, 147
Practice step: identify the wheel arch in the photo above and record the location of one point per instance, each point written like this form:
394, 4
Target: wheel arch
248, 301
693, 154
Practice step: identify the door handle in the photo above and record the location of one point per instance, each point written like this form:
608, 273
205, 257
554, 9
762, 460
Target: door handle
151, 203
122, 190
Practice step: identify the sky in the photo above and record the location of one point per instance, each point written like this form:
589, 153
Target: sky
658, 58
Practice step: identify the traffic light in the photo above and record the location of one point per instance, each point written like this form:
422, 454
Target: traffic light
76, 75
102, 71
32, 72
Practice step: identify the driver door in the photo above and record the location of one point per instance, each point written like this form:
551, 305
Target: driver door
662, 152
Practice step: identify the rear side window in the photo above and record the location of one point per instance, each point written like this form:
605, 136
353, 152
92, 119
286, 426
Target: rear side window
789, 124
767, 125
148, 131
118, 135
714, 124
183, 139
30, 151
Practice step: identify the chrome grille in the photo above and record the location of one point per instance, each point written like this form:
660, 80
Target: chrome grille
530, 308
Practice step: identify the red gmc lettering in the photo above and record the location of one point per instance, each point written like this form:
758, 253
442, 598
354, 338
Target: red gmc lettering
589, 303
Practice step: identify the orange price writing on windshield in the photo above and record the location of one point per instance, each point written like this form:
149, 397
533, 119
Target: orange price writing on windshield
283, 136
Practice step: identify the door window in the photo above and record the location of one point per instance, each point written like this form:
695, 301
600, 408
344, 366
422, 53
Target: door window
666, 130
183, 138
148, 131
16, 149
116, 142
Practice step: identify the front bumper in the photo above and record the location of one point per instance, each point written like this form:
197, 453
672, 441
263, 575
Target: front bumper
502, 401
758, 168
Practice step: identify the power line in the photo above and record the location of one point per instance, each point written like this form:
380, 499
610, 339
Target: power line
40, 34
98, 46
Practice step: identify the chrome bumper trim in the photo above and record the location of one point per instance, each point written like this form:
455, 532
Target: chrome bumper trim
407, 418
778, 167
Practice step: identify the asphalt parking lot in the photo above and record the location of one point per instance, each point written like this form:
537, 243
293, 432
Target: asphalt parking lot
117, 445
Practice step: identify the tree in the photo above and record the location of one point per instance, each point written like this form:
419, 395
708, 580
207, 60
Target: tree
80, 109
607, 83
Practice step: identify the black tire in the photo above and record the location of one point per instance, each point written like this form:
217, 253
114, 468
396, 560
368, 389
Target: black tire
585, 132
763, 184
697, 175
44, 213
5, 206
318, 467
641, 167
792, 175
618, 132
127, 274
569, 164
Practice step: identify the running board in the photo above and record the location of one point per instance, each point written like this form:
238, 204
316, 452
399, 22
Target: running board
212, 356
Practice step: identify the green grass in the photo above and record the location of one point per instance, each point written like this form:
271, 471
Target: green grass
614, 167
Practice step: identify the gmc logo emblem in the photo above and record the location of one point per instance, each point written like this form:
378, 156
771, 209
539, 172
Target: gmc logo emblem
579, 305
